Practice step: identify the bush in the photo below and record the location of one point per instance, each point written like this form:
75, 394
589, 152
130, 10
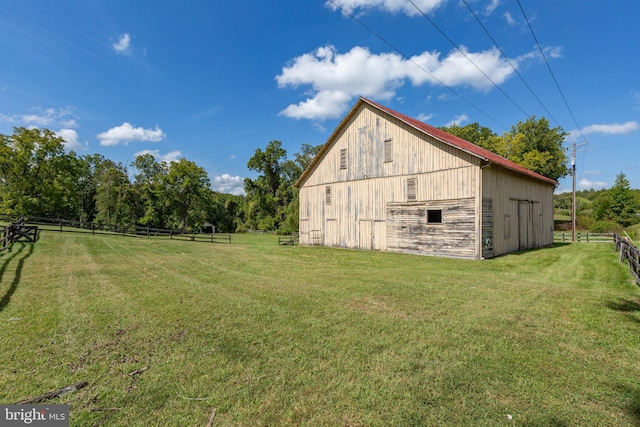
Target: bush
606, 227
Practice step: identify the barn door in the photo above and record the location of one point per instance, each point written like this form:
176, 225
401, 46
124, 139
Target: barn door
524, 224
365, 234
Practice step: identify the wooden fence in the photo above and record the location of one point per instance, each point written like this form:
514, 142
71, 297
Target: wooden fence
630, 253
288, 240
583, 237
17, 232
61, 225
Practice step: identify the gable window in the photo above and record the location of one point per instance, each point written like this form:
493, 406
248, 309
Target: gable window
411, 189
327, 195
343, 158
434, 216
388, 150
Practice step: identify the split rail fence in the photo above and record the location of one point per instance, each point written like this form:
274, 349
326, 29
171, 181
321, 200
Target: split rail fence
61, 225
17, 232
630, 253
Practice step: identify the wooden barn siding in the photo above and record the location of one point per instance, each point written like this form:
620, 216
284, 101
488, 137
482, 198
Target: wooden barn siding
408, 230
363, 137
360, 192
366, 200
505, 188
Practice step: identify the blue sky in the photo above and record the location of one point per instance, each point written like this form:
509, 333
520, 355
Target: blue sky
213, 81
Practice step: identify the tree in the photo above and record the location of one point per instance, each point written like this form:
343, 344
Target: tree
536, 146
621, 205
37, 177
185, 193
113, 193
149, 191
532, 144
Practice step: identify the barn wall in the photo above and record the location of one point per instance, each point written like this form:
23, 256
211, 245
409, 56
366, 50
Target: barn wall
408, 229
355, 214
522, 210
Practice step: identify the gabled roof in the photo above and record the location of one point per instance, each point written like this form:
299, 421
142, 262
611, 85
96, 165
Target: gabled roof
436, 133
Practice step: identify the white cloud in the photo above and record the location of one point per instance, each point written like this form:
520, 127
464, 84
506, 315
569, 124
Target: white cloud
394, 6
70, 137
458, 120
229, 184
123, 46
43, 117
337, 78
126, 133
424, 117
611, 128
491, 7
171, 156
586, 184
509, 18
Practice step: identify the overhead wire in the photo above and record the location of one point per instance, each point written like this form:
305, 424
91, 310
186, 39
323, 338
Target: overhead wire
566, 103
468, 58
406, 57
515, 69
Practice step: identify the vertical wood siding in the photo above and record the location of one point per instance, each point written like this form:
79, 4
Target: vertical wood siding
526, 204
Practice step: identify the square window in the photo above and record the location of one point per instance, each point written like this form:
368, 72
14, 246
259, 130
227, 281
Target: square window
434, 216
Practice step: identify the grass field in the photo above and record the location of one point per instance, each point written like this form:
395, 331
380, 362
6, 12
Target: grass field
276, 336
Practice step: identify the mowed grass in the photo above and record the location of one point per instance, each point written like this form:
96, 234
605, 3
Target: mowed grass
313, 336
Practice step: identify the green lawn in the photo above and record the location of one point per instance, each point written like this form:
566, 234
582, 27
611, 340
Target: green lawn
276, 336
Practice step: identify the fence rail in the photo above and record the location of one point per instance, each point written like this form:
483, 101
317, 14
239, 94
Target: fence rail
63, 225
288, 240
17, 232
630, 253
583, 237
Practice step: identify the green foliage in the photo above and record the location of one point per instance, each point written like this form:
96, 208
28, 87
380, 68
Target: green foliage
36, 176
532, 144
605, 226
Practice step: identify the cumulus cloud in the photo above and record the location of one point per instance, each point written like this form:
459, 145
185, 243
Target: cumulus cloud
394, 6
126, 133
71, 142
336, 78
586, 184
123, 45
611, 128
171, 156
229, 184
424, 117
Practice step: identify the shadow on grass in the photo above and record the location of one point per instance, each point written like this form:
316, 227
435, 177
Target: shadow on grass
629, 307
20, 253
633, 408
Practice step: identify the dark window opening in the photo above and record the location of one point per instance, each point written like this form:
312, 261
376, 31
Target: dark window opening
434, 216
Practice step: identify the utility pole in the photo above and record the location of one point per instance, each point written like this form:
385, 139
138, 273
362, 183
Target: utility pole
573, 193
573, 190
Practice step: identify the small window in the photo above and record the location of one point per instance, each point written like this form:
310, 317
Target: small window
434, 216
507, 226
343, 158
388, 151
411, 189
328, 195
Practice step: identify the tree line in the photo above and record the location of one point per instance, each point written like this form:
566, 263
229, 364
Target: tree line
39, 178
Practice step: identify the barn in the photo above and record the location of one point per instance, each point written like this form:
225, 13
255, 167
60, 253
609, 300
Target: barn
384, 181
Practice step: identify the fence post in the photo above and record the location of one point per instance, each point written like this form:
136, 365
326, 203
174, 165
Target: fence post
61, 225
587, 237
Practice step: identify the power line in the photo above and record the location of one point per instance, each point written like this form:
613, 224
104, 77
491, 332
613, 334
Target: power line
406, 57
551, 71
469, 59
495, 43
